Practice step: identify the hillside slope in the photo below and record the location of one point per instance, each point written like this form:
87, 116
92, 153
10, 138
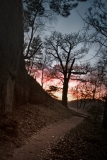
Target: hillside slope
16, 86
18, 126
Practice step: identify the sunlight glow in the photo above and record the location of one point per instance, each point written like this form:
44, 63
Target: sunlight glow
58, 83
59, 95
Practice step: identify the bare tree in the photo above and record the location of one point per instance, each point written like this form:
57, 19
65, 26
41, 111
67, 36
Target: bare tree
96, 21
62, 49
36, 15
33, 55
91, 86
44, 70
102, 65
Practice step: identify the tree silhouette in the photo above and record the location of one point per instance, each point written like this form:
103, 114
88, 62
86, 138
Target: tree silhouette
62, 49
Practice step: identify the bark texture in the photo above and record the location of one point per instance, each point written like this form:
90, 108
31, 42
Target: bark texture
65, 91
16, 86
11, 45
104, 124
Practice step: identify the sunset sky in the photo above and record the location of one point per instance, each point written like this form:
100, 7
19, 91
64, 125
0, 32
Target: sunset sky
58, 83
73, 23
70, 96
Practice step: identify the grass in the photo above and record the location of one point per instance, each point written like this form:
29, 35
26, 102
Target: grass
88, 141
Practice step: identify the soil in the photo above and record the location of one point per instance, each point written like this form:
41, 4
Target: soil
30, 129
88, 141
52, 132
40, 143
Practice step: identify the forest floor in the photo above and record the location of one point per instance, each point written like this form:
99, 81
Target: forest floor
87, 141
17, 127
45, 133
39, 145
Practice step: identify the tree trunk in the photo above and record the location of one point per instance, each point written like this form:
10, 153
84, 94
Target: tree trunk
16, 86
104, 124
80, 103
11, 47
65, 91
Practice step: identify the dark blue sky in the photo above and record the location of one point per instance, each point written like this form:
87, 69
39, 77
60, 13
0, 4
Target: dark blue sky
73, 23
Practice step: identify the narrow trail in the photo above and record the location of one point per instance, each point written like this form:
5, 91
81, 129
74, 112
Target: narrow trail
36, 147
79, 112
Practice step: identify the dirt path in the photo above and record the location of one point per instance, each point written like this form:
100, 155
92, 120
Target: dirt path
81, 112
39, 143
